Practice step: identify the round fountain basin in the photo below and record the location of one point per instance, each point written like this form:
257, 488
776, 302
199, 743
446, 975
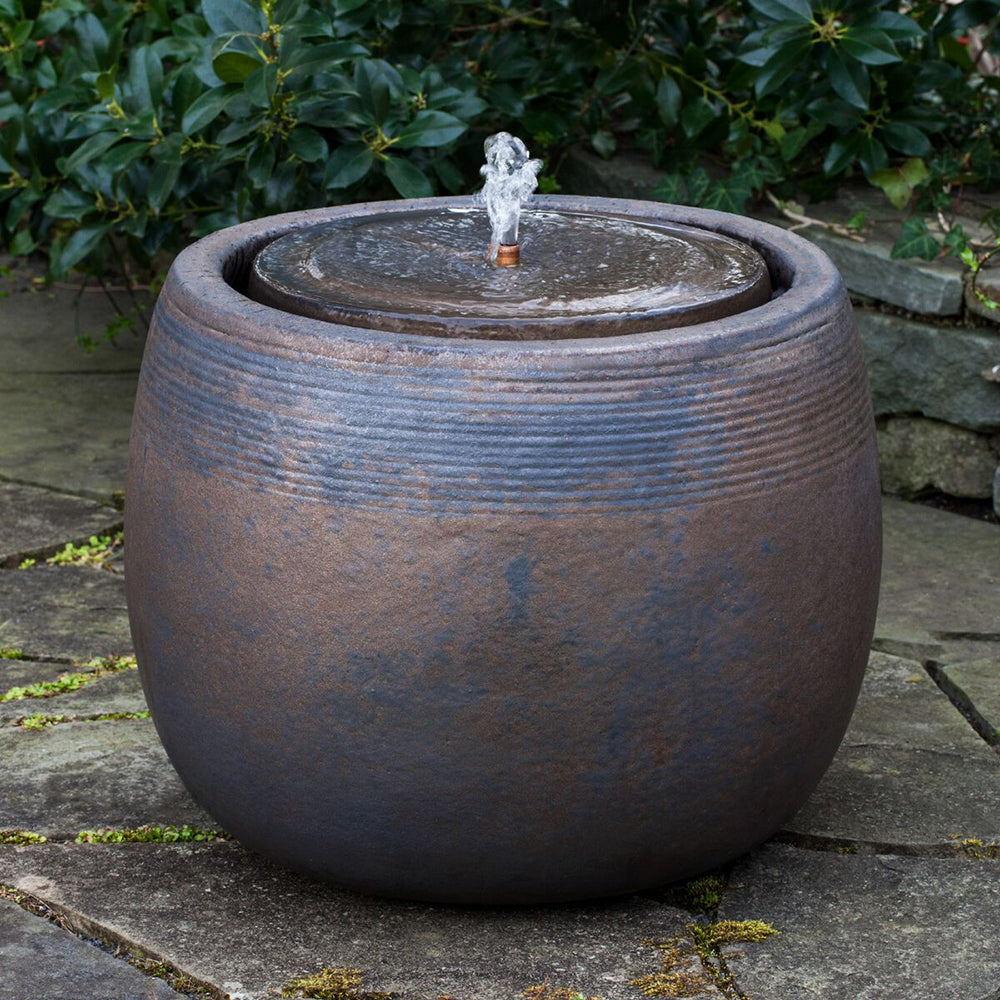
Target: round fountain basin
471, 585
580, 275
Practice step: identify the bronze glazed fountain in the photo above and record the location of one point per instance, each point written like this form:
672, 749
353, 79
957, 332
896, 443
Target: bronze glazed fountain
471, 583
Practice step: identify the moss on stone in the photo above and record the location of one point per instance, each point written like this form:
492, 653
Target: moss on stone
149, 835
332, 984
21, 837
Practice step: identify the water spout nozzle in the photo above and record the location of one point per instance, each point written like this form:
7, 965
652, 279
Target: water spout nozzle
507, 254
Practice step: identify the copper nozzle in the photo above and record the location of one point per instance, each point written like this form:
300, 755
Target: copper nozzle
508, 255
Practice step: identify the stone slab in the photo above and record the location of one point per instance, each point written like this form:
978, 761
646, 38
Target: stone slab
82, 775
121, 692
977, 682
930, 369
915, 454
34, 520
867, 928
20, 673
67, 432
911, 774
225, 916
38, 329
42, 962
64, 612
940, 583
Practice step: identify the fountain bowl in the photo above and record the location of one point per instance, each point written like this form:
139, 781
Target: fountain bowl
501, 621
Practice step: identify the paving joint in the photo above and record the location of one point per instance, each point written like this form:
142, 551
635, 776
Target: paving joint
113, 944
965, 705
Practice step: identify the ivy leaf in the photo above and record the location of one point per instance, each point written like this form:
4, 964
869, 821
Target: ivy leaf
408, 180
348, 165
726, 196
784, 10
698, 183
671, 188
898, 183
430, 128
915, 241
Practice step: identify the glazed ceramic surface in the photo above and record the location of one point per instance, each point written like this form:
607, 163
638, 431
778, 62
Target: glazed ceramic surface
485, 620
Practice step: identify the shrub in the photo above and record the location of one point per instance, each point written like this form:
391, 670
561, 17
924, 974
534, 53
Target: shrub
130, 128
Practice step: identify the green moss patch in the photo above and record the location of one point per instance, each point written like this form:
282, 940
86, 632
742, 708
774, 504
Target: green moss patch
149, 835
332, 984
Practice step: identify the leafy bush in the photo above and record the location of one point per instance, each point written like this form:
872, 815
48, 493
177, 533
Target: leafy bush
131, 127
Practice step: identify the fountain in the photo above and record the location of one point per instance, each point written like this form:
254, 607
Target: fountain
477, 583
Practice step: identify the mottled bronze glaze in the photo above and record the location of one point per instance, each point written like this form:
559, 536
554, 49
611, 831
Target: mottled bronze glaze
482, 621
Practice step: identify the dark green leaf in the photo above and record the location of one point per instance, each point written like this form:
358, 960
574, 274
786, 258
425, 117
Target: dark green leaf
307, 144
348, 165
105, 85
849, 79
145, 77
225, 16
260, 163
430, 128
372, 88
671, 188
81, 243
323, 58
872, 155
161, 184
346, 6
261, 85
868, 45
698, 183
784, 10
726, 196
234, 67
604, 143
915, 241
207, 108
69, 203
896, 26
408, 180
780, 66
842, 153
697, 116
668, 101
96, 145
907, 139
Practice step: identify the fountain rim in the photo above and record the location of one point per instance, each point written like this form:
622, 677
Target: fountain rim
808, 291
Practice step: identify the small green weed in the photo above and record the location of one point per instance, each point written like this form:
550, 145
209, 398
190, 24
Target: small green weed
149, 835
95, 552
26, 563
21, 837
543, 991
176, 980
41, 721
10, 653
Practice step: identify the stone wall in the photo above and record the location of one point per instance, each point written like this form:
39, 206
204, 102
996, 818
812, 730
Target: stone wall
931, 348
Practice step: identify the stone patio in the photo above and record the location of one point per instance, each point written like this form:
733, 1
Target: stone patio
886, 885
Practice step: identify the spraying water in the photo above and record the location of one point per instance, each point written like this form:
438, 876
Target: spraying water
510, 178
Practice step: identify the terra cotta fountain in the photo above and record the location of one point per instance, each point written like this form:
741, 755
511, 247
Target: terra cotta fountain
470, 583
